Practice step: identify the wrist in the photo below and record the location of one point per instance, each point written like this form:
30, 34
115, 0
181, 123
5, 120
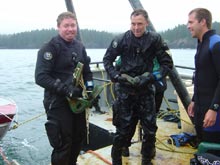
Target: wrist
115, 78
157, 75
215, 107
89, 85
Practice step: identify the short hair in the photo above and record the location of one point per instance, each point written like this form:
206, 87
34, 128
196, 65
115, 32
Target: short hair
142, 12
202, 13
65, 15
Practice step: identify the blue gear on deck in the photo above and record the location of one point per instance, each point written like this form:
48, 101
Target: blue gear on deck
182, 139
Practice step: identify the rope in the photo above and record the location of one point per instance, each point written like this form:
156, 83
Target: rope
105, 84
112, 91
171, 111
19, 124
4, 157
173, 148
99, 156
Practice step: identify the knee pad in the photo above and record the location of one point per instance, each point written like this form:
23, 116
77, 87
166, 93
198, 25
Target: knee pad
53, 133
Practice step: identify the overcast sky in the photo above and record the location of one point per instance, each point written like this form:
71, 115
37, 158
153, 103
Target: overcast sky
102, 15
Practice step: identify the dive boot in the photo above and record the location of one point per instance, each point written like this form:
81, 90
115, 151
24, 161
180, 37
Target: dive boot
125, 152
146, 161
116, 156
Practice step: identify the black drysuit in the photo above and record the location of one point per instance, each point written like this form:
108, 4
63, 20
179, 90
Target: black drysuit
135, 103
57, 60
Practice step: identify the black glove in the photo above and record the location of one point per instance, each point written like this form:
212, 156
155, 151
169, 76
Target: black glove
74, 92
122, 80
114, 76
67, 90
143, 81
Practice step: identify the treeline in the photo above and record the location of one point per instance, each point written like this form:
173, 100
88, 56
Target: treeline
36, 38
178, 37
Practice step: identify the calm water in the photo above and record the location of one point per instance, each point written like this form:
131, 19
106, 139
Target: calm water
28, 144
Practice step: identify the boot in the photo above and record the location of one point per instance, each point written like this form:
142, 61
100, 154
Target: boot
146, 161
125, 152
116, 156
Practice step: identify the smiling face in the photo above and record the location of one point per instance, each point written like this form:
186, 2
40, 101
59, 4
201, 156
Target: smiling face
194, 26
138, 25
67, 29
197, 25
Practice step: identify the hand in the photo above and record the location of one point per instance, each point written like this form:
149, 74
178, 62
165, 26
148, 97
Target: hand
123, 80
190, 109
89, 94
114, 76
60, 88
68, 91
74, 92
210, 118
142, 81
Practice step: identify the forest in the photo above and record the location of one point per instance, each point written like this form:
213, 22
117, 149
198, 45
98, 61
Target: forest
176, 38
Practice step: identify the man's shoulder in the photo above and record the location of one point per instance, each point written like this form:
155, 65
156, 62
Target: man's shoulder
123, 35
215, 38
152, 34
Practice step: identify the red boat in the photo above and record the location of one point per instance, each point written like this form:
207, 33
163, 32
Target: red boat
7, 112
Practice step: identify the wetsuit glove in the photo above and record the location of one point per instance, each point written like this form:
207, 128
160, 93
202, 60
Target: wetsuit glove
60, 88
74, 92
122, 80
68, 91
143, 81
114, 76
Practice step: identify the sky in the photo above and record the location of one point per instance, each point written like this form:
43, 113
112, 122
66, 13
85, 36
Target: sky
101, 15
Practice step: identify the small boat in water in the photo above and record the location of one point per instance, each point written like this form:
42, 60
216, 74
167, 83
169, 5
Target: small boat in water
7, 112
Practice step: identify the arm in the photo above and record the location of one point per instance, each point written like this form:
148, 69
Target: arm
111, 54
215, 104
163, 56
190, 109
211, 114
45, 63
87, 73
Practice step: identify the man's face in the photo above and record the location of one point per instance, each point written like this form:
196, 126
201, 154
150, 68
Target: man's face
194, 26
68, 29
138, 25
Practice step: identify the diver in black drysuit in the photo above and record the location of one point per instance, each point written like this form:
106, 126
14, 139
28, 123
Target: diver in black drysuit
136, 102
160, 87
55, 65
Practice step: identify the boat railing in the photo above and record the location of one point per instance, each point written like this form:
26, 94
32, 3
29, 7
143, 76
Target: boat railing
182, 75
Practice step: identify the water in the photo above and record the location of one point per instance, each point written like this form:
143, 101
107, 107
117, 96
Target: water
28, 144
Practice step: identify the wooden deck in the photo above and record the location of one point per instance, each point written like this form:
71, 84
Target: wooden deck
165, 153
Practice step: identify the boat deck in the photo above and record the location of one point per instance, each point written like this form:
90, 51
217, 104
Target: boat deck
165, 153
